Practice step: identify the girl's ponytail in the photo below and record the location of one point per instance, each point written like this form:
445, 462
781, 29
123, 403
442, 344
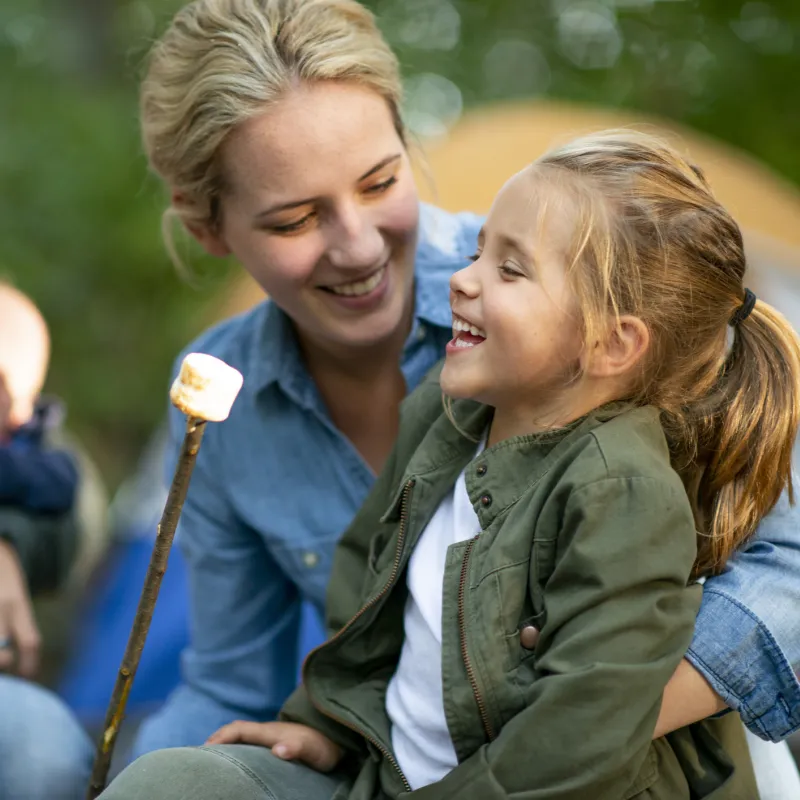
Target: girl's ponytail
747, 431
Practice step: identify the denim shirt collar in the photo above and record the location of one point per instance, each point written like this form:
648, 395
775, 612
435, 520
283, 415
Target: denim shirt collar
275, 356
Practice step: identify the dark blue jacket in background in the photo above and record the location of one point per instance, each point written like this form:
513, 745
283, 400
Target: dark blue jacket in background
34, 477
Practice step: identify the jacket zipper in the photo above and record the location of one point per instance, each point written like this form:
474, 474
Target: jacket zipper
487, 725
371, 602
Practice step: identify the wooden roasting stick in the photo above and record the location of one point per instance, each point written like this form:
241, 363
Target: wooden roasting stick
204, 390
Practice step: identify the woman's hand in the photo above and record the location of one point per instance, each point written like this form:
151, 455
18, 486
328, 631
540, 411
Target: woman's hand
287, 740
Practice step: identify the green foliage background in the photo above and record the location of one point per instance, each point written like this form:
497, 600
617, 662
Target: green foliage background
80, 218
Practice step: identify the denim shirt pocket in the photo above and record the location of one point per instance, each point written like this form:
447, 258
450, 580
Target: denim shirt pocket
307, 564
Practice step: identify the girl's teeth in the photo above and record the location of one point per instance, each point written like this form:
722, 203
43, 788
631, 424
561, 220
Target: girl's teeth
462, 343
462, 325
361, 287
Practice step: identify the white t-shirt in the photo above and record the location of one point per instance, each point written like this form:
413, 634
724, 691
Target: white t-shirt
414, 702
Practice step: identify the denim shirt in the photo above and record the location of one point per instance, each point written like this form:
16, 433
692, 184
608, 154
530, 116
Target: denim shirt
276, 485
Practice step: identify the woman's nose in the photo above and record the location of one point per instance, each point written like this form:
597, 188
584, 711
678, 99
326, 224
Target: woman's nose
356, 242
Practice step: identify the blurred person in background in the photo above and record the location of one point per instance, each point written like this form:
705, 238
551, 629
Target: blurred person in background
276, 128
44, 753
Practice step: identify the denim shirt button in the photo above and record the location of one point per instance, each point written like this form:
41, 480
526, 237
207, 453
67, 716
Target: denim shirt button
310, 559
422, 332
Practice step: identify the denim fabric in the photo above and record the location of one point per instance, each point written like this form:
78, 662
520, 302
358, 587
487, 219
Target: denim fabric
44, 752
747, 636
276, 485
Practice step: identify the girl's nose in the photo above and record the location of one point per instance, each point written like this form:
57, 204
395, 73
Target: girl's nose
465, 282
356, 243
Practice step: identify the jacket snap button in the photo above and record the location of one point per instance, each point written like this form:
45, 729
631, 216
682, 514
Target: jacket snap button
528, 637
486, 500
481, 470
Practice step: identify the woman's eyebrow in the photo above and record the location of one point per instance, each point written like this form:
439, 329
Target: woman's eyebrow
380, 165
297, 203
284, 207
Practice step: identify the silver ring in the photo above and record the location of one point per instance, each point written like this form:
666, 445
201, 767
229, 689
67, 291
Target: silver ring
5, 643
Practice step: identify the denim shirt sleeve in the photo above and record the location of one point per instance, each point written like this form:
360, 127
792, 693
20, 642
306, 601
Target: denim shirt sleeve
747, 636
244, 612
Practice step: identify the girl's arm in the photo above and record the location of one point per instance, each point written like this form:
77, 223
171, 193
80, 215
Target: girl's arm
619, 619
746, 647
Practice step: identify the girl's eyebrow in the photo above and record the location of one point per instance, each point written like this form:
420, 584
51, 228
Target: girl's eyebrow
297, 203
510, 242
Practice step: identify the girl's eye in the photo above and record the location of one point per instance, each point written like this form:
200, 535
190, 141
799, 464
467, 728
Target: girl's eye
509, 271
380, 188
474, 257
292, 227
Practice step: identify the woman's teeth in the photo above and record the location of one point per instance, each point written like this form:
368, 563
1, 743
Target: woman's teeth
462, 326
359, 287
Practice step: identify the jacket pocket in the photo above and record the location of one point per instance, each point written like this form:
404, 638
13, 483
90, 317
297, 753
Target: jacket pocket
647, 776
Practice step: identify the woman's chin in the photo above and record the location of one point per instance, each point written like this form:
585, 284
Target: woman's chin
373, 330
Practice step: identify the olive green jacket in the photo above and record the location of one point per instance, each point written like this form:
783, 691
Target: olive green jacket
588, 535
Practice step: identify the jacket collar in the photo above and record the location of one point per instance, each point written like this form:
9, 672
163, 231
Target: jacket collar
500, 474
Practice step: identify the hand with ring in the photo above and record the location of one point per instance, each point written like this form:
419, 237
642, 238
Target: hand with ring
19, 635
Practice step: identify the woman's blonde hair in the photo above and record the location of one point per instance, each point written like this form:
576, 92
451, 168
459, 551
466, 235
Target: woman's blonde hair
652, 241
222, 62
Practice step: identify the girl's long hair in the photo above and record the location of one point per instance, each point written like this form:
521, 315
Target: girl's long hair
652, 241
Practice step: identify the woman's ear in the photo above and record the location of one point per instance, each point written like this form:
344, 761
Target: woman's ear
627, 342
210, 239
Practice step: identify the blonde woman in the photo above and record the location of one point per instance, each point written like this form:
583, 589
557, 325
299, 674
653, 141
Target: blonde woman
275, 126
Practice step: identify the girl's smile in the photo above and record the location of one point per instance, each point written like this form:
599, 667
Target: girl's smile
465, 335
516, 331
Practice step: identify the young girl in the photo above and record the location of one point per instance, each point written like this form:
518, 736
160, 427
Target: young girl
522, 582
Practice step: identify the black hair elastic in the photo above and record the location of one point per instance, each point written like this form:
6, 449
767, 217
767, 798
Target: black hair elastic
743, 312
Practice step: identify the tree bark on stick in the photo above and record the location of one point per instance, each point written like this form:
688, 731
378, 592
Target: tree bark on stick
144, 612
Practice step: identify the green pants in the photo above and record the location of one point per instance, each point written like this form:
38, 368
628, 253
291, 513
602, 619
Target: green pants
221, 772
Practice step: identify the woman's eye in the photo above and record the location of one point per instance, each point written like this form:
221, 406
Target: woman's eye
292, 227
379, 188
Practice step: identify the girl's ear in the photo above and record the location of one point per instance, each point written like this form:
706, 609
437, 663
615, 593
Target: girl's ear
627, 343
211, 240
